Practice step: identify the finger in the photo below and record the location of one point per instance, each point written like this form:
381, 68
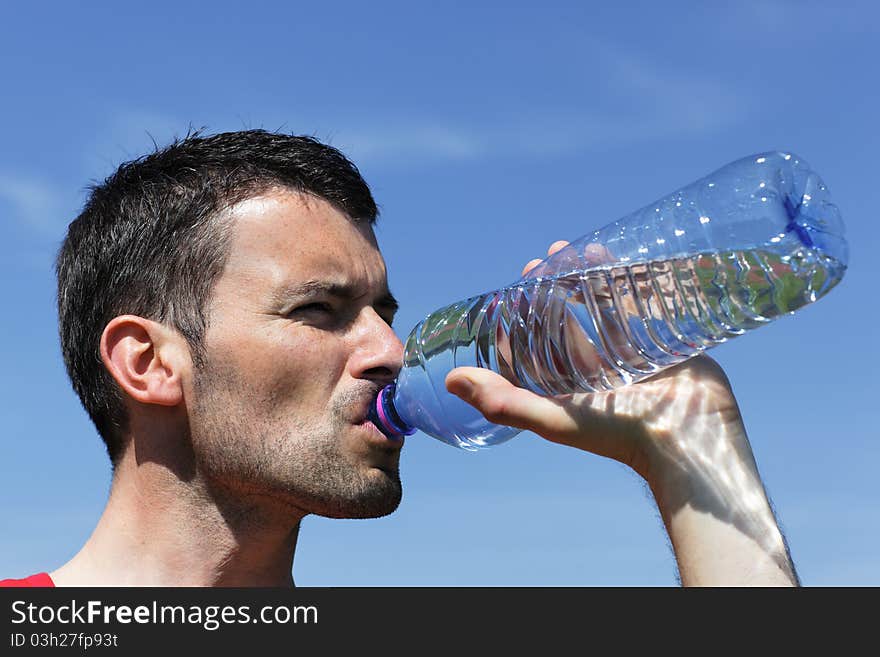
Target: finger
530, 265
582, 421
556, 246
597, 254
503, 403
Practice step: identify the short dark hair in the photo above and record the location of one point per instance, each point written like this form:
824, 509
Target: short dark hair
151, 242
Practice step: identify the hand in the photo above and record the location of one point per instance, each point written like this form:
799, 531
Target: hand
641, 425
681, 430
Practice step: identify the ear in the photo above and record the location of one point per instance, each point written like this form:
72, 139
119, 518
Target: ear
145, 358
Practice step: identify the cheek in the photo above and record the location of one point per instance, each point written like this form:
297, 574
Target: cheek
300, 368
277, 363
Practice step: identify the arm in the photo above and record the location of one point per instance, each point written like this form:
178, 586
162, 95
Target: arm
710, 494
681, 431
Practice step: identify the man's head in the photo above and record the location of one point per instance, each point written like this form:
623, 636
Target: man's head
255, 252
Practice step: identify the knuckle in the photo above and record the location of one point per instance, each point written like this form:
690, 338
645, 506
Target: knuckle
496, 411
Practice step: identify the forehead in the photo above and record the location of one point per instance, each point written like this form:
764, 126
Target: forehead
285, 236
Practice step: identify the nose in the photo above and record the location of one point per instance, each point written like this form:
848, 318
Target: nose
378, 353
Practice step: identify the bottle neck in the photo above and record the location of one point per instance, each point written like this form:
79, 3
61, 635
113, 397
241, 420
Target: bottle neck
385, 416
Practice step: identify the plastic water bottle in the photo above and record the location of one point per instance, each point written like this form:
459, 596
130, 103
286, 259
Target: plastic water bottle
755, 240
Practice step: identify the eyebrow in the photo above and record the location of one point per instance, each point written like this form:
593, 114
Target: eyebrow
315, 288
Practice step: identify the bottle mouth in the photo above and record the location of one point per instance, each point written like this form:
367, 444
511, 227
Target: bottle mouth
385, 417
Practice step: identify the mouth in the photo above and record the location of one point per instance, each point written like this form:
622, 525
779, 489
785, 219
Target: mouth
386, 418
376, 436
365, 419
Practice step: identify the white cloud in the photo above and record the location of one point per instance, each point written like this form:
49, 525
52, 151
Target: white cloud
426, 141
648, 102
130, 133
797, 21
642, 100
34, 203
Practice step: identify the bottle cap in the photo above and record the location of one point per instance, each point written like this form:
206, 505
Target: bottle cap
385, 417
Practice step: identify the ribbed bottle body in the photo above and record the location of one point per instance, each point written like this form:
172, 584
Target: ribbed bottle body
731, 252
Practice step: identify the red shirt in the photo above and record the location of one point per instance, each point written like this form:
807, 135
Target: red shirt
40, 579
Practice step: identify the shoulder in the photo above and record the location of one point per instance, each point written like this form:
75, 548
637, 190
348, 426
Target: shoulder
40, 579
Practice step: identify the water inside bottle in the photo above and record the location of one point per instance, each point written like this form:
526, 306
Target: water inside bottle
599, 329
609, 326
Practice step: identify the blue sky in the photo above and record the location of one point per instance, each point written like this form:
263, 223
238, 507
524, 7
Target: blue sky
487, 131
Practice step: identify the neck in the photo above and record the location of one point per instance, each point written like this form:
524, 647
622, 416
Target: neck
161, 530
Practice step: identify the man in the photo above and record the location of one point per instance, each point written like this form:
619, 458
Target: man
226, 321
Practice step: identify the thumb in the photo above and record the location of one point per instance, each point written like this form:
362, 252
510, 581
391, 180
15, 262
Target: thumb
501, 402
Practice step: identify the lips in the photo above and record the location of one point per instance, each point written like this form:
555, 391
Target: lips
363, 410
362, 418
380, 438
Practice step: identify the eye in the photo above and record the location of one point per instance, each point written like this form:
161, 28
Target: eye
316, 307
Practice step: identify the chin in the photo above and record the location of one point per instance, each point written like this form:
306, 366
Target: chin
380, 500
